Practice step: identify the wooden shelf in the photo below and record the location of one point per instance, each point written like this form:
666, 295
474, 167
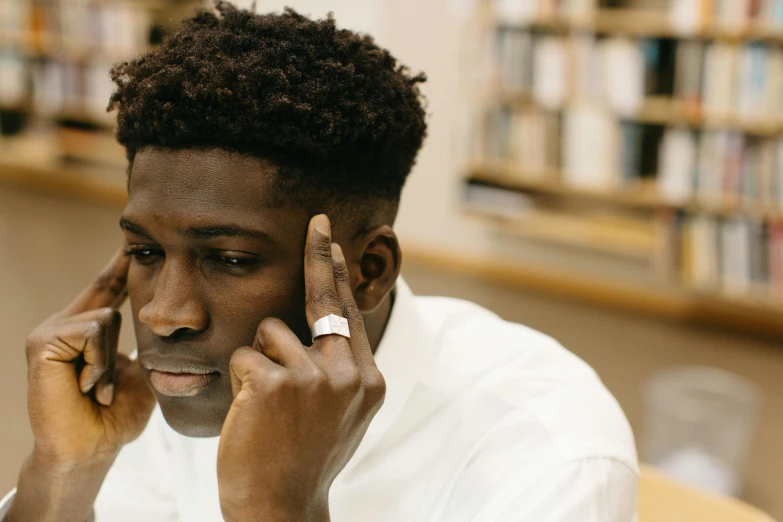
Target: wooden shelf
713, 310
652, 23
601, 236
642, 196
41, 172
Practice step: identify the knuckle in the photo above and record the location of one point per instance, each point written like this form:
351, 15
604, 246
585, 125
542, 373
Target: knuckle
322, 296
107, 315
350, 309
94, 328
352, 382
280, 383
321, 250
241, 357
313, 378
341, 271
34, 342
268, 327
112, 283
375, 386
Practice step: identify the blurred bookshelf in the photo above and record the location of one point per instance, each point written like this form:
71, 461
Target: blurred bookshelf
55, 56
647, 130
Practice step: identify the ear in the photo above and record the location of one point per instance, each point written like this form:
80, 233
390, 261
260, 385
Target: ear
376, 268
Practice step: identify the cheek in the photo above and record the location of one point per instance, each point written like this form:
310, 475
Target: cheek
239, 306
141, 288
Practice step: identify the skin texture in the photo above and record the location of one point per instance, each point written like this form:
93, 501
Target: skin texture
204, 293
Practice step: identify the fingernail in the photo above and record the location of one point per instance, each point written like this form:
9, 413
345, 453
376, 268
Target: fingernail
322, 224
337, 253
106, 394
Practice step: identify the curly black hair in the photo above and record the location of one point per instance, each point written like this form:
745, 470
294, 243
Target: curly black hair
328, 107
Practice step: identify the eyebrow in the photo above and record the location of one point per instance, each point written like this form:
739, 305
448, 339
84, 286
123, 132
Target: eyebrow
201, 232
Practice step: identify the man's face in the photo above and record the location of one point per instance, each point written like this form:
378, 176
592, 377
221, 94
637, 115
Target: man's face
212, 257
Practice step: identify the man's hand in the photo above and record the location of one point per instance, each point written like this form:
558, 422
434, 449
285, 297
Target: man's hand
84, 400
299, 412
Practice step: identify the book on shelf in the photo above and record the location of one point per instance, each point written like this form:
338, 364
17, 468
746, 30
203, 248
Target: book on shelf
677, 165
775, 266
550, 71
590, 147
624, 74
13, 88
720, 78
515, 60
585, 59
689, 60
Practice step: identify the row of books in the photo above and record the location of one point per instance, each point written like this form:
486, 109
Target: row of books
586, 145
592, 149
686, 16
717, 79
117, 28
526, 11
690, 15
721, 167
54, 87
734, 256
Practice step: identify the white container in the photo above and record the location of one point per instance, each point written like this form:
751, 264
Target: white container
699, 425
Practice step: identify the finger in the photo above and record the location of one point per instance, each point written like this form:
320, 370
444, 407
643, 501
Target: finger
91, 315
280, 345
104, 388
360, 346
320, 293
246, 362
100, 352
72, 343
109, 289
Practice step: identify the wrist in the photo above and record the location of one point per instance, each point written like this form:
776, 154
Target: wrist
60, 466
52, 490
275, 511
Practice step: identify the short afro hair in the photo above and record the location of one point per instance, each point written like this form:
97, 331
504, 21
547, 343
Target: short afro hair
332, 110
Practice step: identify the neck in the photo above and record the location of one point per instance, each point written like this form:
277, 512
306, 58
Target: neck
375, 322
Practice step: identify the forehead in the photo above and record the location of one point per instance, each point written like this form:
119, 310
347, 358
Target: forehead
196, 185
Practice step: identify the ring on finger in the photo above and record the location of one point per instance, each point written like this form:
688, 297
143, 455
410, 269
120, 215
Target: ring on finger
331, 325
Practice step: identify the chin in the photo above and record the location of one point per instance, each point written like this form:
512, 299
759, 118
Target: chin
192, 417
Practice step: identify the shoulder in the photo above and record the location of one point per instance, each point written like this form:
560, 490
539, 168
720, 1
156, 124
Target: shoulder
543, 388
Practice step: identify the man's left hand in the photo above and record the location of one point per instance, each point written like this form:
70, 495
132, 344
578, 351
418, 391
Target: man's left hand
299, 412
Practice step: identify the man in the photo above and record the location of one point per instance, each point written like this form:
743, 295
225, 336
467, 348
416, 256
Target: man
296, 377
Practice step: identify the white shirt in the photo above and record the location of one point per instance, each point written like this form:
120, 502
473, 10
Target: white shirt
484, 421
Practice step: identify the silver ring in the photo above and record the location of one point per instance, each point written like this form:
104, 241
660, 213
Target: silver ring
331, 324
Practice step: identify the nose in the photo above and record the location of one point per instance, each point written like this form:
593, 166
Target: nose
174, 308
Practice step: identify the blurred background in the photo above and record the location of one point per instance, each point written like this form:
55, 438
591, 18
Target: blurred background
608, 172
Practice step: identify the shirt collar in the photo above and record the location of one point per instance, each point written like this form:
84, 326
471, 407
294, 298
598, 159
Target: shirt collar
402, 354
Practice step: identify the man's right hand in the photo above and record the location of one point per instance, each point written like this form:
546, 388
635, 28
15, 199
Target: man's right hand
85, 400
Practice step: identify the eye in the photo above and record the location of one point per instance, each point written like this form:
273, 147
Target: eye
236, 261
144, 256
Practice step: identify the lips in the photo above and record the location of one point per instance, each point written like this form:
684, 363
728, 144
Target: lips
180, 384
175, 376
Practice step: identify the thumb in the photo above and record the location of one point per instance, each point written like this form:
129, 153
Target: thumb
246, 363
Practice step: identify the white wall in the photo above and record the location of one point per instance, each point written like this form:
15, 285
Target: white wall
357, 15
